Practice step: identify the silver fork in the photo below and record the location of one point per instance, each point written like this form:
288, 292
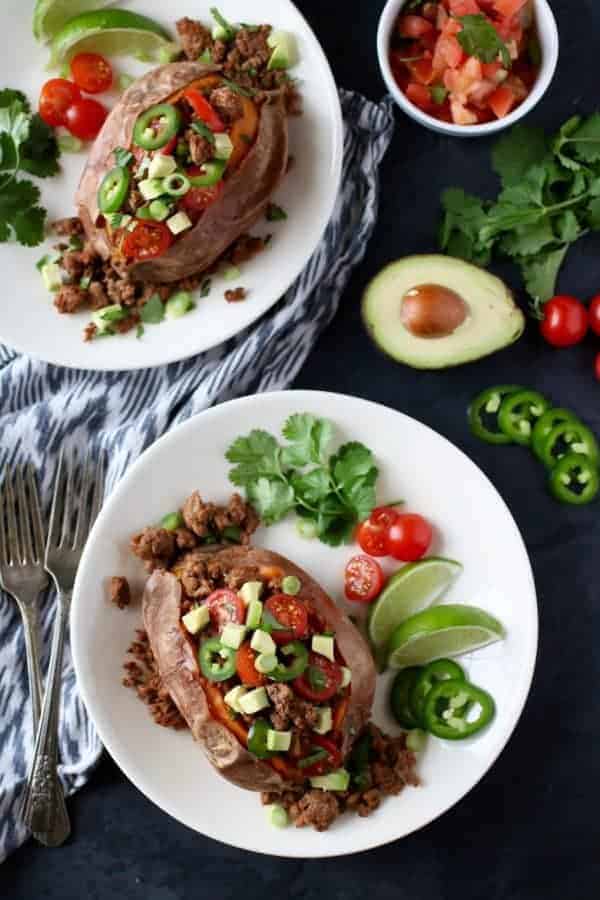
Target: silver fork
66, 540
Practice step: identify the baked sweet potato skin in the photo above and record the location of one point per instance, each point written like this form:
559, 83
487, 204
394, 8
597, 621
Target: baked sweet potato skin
245, 196
179, 669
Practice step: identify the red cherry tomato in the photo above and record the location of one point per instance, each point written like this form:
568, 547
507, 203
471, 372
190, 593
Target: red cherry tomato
594, 314
198, 199
147, 241
383, 517
290, 613
85, 118
56, 97
597, 366
249, 674
320, 681
565, 321
226, 606
364, 579
329, 763
372, 539
410, 537
414, 26
92, 73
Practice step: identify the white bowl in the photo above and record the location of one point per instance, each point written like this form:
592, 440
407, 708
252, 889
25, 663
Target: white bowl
548, 35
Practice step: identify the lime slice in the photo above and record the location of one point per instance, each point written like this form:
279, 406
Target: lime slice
440, 632
49, 16
112, 32
413, 588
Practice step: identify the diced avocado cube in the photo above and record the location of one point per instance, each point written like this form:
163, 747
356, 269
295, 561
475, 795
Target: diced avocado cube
291, 585
179, 304
251, 590
277, 816
179, 222
416, 740
254, 614
265, 663
161, 166
335, 781
285, 50
223, 146
196, 619
151, 188
279, 741
346, 676
51, 276
324, 645
254, 701
325, 723
233, 697
233, 636
262, 642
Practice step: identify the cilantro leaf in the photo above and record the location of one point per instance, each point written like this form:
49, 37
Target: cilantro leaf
311, 487
567, 227
153, 311
123, 157
309, 438
479, 38
29, 226
15, 197
593, 215
561, 141
585, 140
516, 151
528, 239
541, 273
40, 152
273, 500
275, 213
361, 495
4, 232
9, 158
254, 456
335, 522
8, 96
352, 461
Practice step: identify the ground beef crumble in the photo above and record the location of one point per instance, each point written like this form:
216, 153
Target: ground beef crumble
236, 295
288, 709
141, 674
120, 592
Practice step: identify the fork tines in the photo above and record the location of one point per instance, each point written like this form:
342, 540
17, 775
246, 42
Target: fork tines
21, 528
76, 502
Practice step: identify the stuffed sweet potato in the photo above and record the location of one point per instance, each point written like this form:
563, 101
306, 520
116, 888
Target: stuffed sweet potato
274, 681
185, 164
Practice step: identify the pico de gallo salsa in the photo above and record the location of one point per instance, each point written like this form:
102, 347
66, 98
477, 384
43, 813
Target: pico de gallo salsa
466, 62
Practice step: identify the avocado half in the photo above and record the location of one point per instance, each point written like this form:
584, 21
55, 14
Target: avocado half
477, 311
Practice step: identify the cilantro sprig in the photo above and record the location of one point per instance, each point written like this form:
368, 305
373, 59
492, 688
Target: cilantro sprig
479, 38
550, 198
332, 492
27, 144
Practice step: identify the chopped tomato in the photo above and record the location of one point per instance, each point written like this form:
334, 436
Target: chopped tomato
448, 52
480, 92
509, 8
502, 101
92, 73
320, 681
430, 11
147, 241
442, 18
464, 8
414, 26
289, 613
226, 606
493, 71
85, 118
364, 578
420, 96
246, 669
332, 760
422, 71
462, 81
56, 97
204, 110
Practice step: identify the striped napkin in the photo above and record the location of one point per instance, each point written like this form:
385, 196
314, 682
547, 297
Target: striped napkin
43, 407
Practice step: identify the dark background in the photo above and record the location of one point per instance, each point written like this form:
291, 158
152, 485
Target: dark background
530, 829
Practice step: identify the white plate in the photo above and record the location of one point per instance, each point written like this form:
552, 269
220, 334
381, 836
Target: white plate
28, 320
472, 525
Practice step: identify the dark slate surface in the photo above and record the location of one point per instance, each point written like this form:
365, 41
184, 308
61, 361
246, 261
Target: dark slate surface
530, 829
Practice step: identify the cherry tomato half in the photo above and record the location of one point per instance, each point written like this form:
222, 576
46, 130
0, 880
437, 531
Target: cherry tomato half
244, 660
329, 763
364, 579
290, 613
147, 241
198, 199
320, 681
565, 321
226, 606
85, 118
92, 73
56, 97
372, 539
594, 314
410, 537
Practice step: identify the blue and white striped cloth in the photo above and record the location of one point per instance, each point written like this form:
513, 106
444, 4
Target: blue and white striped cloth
43, 407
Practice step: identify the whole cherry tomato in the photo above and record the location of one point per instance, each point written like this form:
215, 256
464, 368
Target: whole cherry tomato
85, 118
409, 538
565, 321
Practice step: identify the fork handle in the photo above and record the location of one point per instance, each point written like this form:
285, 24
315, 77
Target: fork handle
30, 617
44, 810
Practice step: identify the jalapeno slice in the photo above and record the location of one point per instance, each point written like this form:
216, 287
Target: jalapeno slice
519, 413
553, 417
210, 173
455, 710
432, 675
298, 655
483, 413
216, 661
113, 190
574, 480
570, 437
157, 126
257, 739
404, 683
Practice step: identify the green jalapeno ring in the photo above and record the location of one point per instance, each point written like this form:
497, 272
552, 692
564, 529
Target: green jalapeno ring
113, 190
402, 688
169, 122
299, 662
450, 703
434, 673
544, 425
483, 413
519, 413
257, 739
574, 480
176, 185
212, 173
217, 662
567, 438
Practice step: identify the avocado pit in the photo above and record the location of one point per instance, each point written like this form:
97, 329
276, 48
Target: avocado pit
432, 311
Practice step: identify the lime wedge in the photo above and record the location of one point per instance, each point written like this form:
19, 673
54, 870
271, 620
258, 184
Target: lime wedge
112, 32
49, 16
413, 588
440, 632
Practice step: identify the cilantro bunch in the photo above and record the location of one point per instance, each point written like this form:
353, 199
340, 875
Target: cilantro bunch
330, 493
550, 198
27, 144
